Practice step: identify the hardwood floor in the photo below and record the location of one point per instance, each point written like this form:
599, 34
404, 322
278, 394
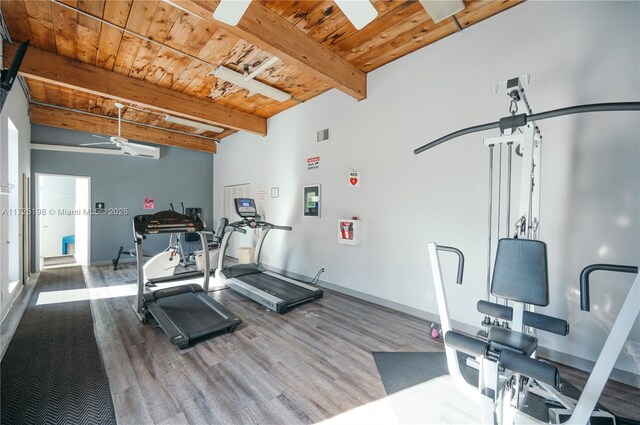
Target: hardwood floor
306, 366
302, 367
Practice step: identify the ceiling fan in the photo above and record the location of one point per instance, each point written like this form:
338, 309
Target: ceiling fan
127, 148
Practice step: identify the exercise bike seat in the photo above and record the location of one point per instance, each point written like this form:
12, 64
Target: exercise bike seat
500, 338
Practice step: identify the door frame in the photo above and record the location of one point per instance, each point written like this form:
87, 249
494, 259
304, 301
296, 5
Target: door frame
26, 228
38, 234
228, 210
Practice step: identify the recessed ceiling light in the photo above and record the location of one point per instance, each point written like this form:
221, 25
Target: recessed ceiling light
359, 12
442, 9
231, 11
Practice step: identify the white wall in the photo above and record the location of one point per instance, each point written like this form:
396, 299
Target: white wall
56, 193
577, 53
15, 108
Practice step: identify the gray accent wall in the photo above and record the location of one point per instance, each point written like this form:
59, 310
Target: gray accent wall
180, 175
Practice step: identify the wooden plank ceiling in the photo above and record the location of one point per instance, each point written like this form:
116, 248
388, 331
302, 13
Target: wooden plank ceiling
181, 49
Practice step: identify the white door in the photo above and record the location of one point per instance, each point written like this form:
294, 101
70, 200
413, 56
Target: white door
238, 239
10, 220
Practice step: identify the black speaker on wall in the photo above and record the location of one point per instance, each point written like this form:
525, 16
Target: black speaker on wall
9, 75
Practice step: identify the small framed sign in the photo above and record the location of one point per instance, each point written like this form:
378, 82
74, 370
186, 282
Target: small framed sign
148, 203
311, 198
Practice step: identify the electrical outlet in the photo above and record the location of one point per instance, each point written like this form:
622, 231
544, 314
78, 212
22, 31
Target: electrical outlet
430, 296
633, 348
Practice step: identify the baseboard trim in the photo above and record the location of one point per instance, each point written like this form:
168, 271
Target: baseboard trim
619, 375
411, 311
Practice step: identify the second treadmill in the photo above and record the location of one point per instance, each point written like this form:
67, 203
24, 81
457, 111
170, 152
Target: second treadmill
274, 291
185, 312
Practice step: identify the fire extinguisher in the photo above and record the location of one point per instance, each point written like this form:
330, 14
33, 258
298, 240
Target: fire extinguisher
344, 230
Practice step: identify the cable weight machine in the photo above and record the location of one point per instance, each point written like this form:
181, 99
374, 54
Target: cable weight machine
526, 141
509, 367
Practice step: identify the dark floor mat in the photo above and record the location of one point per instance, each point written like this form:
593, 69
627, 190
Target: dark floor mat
52, 372
399, 371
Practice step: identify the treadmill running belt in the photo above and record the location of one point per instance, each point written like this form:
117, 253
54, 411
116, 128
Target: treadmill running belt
192, 314
290, 293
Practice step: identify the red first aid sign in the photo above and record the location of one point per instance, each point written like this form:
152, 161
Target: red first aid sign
149, 204
354, 179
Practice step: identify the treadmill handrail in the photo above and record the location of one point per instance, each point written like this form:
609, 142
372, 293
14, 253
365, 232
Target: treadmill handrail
139, 306
238, 226
246, 223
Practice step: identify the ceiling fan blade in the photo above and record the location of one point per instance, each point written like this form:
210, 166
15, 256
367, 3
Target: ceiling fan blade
95, 144
360, 13
102, 137
134, 149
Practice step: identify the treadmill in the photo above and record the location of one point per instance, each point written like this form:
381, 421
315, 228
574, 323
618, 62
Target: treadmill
276, 292
184, 312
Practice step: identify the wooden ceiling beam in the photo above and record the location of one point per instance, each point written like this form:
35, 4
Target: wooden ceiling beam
50, 68
54, 117
273, 33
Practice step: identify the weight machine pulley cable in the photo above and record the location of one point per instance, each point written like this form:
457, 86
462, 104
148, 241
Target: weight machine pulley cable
522, 119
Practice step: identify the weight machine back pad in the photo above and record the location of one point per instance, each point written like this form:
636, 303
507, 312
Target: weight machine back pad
520, 273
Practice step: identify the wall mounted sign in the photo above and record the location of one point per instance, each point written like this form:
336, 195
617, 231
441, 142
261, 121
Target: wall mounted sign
262, 194
354, 179
313, 162
100, 207
149, 204
275, 192
311, 198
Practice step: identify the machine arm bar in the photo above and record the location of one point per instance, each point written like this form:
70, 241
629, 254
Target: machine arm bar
594, 107
460, 260
584, 280
273, 226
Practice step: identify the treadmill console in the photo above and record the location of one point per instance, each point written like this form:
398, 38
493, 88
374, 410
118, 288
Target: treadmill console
166, 222
246, 207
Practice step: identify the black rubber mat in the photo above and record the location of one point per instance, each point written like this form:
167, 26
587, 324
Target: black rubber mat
52, 372
402, 370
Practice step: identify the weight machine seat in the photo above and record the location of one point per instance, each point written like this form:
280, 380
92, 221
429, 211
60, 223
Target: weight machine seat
501, 338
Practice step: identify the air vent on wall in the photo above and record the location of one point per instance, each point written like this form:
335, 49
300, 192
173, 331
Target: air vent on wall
322, 135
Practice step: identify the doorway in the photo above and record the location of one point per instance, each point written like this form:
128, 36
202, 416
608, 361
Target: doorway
238, 239
63, 222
